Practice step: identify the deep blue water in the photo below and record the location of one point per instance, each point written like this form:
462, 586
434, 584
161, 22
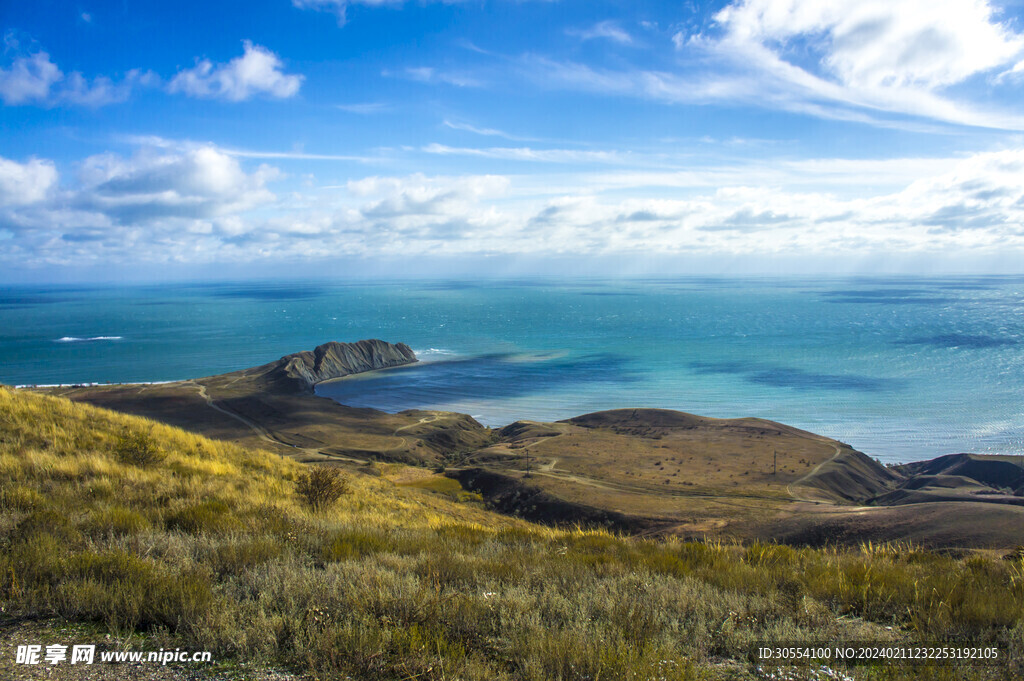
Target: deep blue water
900, 368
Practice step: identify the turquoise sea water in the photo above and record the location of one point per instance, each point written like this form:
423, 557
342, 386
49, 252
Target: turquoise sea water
902, 369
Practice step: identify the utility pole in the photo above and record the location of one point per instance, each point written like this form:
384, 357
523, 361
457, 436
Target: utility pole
527, 452
775, 461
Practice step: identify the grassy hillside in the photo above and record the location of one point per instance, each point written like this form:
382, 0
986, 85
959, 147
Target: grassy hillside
140, 527
244, 408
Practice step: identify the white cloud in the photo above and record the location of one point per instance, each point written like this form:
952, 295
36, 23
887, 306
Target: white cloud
198, 204
25, 183
156, 206
487, 132
103, 90
475, 130
29, 79
36, 79
199, 183
886, 55
180, 146
874, 62
420, 187
257, 72
604, 30
528, 154
430, 75
881, 43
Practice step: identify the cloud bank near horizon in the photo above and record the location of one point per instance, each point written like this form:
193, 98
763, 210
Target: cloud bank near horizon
201, 204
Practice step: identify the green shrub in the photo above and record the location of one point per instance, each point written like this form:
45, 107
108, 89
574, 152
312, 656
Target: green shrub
321, 486
137, 449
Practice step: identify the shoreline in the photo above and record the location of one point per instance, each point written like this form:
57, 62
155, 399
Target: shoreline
94, 384
496, 425
496, 414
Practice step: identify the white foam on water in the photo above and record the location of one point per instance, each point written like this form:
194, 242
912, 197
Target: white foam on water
76, 339
434, 352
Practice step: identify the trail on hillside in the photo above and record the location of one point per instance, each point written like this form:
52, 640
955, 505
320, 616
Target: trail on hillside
789, 487
261, 432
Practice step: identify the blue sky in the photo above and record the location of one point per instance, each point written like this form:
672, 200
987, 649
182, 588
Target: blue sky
494, 137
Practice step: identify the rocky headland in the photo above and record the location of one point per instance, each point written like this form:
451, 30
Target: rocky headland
301, 371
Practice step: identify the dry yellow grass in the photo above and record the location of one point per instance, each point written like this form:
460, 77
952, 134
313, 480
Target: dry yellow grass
141, 527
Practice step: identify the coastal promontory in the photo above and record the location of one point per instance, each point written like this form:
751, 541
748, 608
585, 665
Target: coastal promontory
301, 371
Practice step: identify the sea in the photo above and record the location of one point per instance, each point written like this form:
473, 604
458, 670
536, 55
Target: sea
902, 369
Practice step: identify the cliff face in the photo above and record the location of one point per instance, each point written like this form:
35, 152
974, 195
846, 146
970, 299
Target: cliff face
303, 370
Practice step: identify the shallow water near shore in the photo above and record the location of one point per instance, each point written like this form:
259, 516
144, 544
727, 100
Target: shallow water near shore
902, 369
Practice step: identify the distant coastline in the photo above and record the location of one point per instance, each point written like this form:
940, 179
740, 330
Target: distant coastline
902, 368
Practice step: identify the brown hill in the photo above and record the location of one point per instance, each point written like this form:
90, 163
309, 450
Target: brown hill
849, 477
994, 471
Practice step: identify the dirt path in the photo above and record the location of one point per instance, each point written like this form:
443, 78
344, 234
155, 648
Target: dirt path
548, 467
789, 487
404, 444
261, 432
425, 419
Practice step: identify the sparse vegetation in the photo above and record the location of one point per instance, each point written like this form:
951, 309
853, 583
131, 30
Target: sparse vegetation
210, 546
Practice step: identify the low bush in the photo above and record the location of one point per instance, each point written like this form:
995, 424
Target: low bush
321, 486
138, 449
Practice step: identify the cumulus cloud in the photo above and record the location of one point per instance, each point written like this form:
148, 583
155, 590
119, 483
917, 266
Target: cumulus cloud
187, 205
35, 79
977, 203
257, 72
202, 182
25, 183
29, 79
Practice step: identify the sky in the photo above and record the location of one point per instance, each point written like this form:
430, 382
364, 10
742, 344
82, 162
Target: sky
385, 138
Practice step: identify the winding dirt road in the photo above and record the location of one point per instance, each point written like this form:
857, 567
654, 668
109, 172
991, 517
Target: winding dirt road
260, 431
